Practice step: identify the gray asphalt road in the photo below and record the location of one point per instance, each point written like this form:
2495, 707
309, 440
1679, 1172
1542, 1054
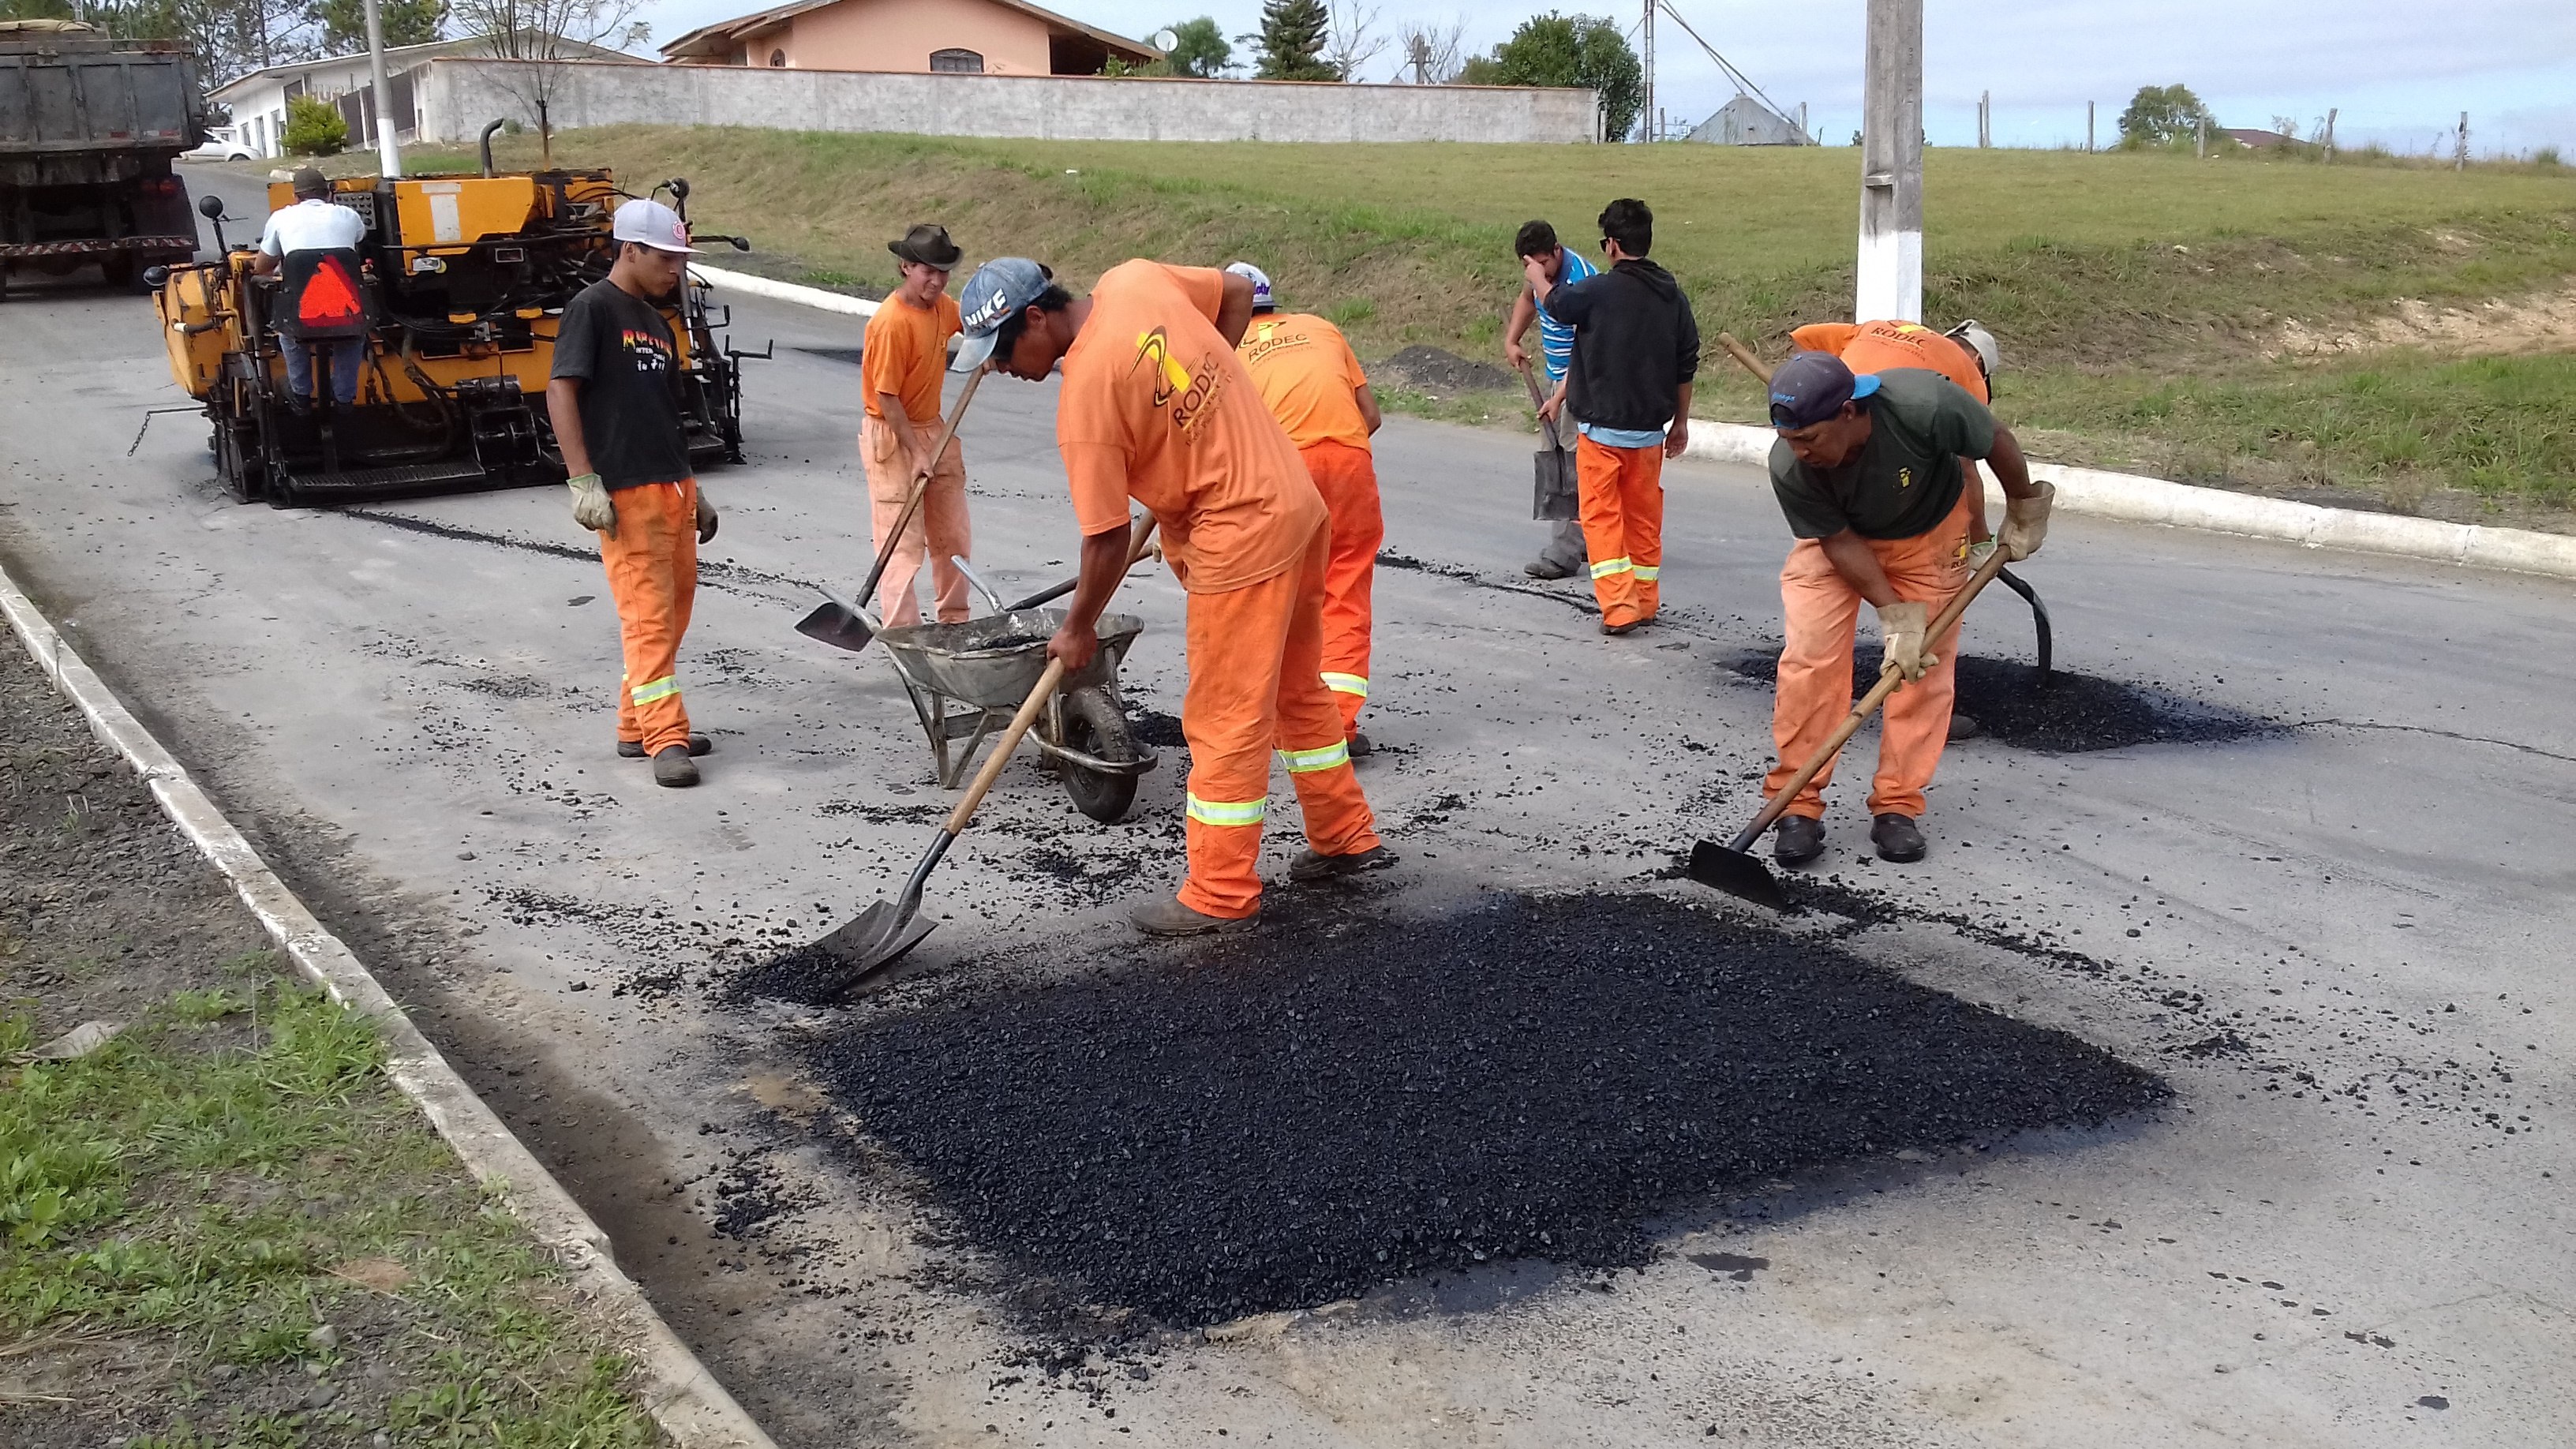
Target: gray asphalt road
2348, 1215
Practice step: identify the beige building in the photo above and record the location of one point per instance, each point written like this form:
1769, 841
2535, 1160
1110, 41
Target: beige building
974, 37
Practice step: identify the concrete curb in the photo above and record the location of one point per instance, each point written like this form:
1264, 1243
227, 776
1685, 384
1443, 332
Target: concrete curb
750, 285
2135, 499
682, 1396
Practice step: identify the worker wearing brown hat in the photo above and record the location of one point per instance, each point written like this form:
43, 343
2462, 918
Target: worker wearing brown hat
905, 356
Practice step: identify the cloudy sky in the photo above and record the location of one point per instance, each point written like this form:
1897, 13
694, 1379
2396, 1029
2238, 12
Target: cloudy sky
2400, 71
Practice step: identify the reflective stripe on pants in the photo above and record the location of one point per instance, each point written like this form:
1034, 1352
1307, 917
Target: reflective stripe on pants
652, 565
1255, 657
1347, 477
1622, 492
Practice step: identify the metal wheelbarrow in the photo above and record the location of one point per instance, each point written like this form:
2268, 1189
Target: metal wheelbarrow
967, 679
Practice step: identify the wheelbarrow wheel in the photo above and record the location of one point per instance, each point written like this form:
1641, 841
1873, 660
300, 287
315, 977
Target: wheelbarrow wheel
1095, 725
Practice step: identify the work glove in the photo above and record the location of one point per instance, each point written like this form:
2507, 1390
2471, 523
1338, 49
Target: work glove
1901, 626
591, 507
2026, 523
706, 519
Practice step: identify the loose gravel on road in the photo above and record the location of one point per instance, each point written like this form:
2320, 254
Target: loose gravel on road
1310, 1110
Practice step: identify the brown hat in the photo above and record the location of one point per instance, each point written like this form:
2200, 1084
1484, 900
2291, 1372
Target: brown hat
309, 182
928, 245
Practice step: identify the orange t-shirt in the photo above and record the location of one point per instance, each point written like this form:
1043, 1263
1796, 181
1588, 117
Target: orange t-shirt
1309, 378
905, 353
1156, 407
1883, 346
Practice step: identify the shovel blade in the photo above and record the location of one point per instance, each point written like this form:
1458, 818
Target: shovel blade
838, 625
876, 939
1738, 874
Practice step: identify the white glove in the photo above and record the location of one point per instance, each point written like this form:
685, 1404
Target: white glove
1901, 626
591, 506
2026, 523
706, 518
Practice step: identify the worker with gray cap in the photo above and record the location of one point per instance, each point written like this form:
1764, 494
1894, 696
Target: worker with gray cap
1868, 471
615, 404
321, 309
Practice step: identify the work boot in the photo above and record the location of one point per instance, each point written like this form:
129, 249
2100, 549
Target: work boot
1359, 746
1798, 839
1614, 630
1546, 568
674, 768
1964, 726
1168, 917
1309, 866
1897, 838
634, 749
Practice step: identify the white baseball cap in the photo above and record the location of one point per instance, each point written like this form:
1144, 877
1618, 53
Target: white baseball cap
654, 225
1261, 299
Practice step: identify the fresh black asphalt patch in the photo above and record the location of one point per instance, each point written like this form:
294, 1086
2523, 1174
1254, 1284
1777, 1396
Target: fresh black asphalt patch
2064, 714
1323, 1105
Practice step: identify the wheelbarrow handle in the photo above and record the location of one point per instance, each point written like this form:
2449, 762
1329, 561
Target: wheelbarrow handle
1137, 544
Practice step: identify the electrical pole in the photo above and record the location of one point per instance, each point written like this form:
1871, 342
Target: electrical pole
1646, 44
388, 154
2330, 123
1985, 119
2088, 128
2460, 153
1891, 165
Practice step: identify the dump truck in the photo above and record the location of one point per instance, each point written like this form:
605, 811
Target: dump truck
88, 128
462, 281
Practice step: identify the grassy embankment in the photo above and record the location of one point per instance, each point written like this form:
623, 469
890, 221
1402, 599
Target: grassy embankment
225, 1227
2247, 323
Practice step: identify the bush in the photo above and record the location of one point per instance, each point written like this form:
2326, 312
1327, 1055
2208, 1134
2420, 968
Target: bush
2545, 156
314, 128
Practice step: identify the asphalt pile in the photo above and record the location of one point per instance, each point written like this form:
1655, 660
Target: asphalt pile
1312, 1109
2064, 714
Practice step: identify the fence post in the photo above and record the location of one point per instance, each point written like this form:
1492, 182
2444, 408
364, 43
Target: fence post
2460, 153
2330, 123
2200, 143
2088, 128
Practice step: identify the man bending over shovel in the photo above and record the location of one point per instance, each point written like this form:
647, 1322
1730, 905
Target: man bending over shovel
1157, 406
1868, 472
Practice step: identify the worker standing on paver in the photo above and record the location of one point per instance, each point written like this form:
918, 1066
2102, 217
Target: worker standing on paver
905, 355
614, 401
321, 311
1564, 267
1313, 384
1156, 406
1636, 350
1868, 472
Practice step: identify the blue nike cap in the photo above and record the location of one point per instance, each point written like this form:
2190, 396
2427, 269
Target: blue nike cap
1000, 289
1813, 386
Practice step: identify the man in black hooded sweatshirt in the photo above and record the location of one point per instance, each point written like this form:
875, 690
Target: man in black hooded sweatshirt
1636, 349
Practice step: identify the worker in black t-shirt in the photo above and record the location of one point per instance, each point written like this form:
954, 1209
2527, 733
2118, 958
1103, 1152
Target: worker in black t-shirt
614, 400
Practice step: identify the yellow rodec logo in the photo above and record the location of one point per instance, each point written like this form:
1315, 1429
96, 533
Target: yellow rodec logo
1187, 394
1904, 477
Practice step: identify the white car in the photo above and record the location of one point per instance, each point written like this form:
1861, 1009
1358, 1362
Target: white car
223, 143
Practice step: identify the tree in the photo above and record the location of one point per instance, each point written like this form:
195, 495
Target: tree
1199, 49
406, 22
1571, 50
1431, 52
2163, 116
1355, 39
314, 127
1293, 36
544, 37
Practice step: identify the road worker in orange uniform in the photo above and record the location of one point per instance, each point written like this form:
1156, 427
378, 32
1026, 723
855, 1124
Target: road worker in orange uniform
899, 371
1157, 406
1312, 382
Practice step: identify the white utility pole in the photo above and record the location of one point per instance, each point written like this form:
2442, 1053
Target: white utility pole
2460, 153
1891, 165
2088, 128
388, 154
1646, 49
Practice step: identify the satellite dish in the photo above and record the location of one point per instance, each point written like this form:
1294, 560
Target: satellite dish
1165, 39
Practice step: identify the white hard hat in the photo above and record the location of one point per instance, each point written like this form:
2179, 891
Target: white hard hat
1972, 334
1261, 299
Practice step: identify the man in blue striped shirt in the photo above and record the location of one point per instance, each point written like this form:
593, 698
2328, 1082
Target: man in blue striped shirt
1564, 552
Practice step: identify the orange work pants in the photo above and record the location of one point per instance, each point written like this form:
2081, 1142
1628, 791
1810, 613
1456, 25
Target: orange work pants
1347, 477
938, 526
1621, 492
652, 563
1816, 666
1256, 662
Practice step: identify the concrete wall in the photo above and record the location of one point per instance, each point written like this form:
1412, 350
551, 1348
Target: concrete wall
458, 95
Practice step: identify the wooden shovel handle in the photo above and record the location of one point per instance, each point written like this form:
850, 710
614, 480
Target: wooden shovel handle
1546, 427
1002, 748
1736, 349
1888, 682
920, 485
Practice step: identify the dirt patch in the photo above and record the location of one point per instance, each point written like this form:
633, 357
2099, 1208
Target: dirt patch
1439, 373
2067, 714
1325, 1105
2538, 322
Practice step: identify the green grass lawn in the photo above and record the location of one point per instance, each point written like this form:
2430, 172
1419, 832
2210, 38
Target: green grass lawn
2114, 280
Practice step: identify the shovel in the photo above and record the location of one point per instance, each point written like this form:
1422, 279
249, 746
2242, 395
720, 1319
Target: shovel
1139, 543
1552, 497
843, 625
882, 933
1736, 349
1731, 867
